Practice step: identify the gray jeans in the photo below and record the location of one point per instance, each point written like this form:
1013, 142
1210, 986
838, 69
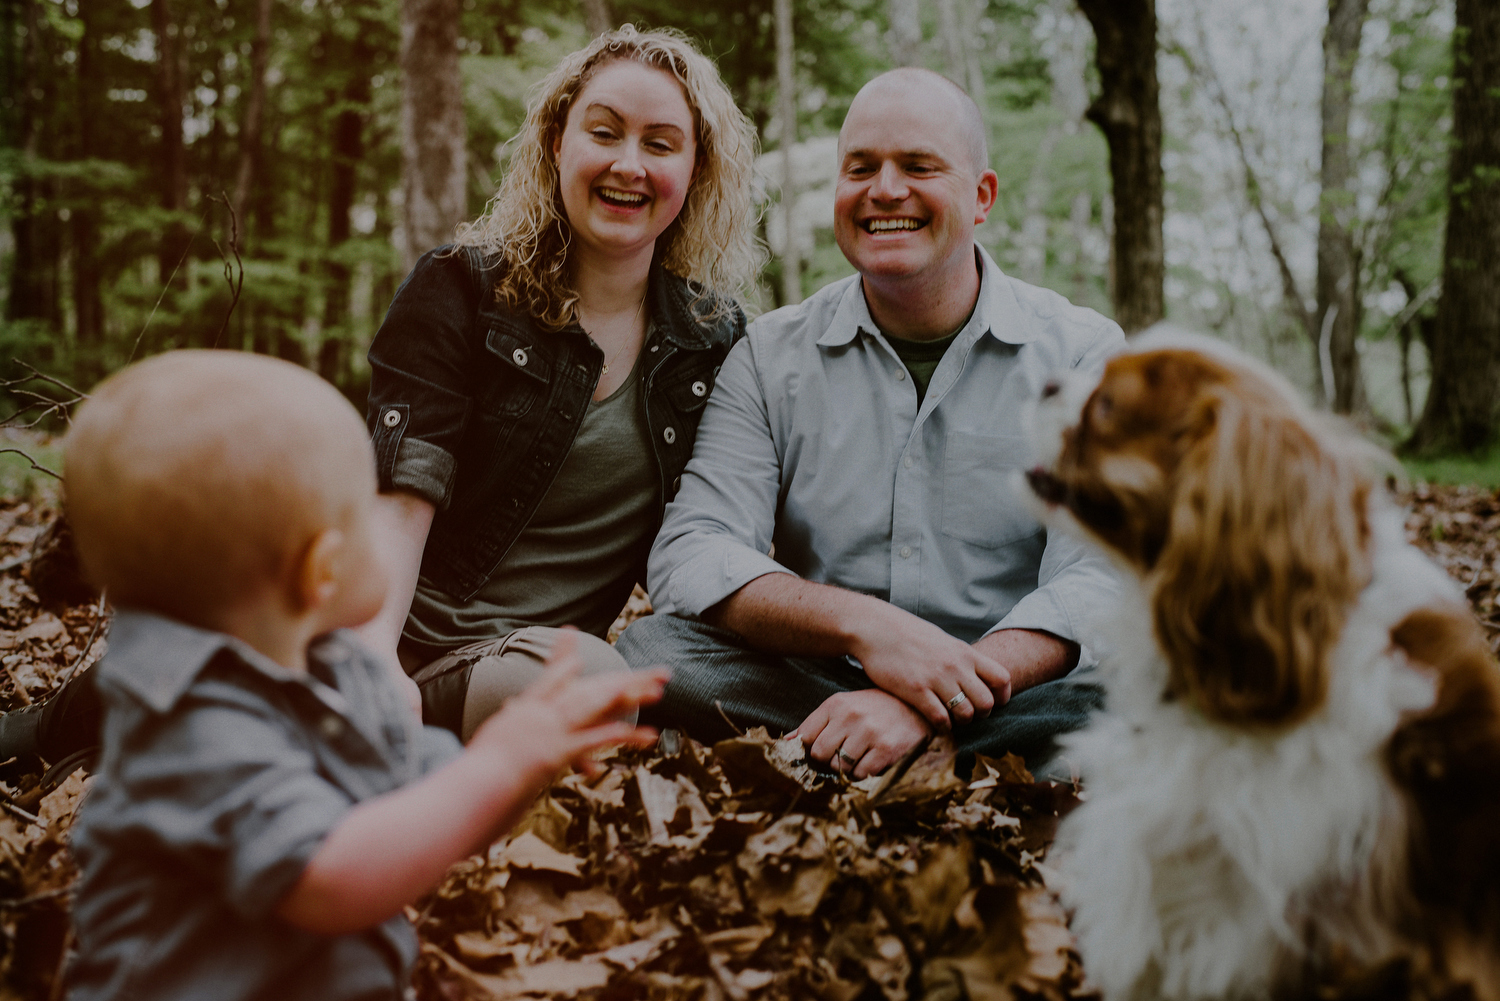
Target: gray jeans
714, 675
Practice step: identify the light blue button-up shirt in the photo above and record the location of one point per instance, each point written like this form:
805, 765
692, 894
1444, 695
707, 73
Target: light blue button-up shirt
813, 440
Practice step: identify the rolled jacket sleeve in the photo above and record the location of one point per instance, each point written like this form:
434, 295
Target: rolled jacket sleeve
717, 533
421, 374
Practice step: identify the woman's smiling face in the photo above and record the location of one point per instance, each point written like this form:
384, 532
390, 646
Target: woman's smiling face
626, 156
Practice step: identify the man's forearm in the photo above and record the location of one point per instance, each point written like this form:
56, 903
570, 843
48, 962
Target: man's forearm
1031, 656
780, 613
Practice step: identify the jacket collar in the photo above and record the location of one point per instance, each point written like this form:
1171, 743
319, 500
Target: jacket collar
687, 313
997, 312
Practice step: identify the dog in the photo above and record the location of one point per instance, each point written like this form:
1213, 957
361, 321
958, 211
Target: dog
1298, 767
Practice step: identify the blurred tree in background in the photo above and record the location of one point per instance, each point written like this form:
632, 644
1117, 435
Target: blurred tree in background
152, 147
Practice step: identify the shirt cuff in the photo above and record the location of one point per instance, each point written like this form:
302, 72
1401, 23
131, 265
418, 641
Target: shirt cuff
423, 469
1043, 610
707, 579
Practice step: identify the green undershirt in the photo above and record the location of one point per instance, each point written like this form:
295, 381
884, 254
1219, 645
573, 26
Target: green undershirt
921, 358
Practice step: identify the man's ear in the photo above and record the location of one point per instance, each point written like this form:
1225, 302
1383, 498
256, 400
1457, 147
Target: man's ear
316, 580
989, 190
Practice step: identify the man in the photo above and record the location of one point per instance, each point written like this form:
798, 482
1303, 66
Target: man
871, 434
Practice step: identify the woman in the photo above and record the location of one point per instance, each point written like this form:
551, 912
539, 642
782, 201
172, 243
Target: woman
536, 388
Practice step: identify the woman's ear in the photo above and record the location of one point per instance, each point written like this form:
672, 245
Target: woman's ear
316, 580
1266, 552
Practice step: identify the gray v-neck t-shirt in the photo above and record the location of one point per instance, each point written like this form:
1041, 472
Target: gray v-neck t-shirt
577, 559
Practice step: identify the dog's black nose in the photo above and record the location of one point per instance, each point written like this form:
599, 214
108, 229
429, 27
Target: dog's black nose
1051, 389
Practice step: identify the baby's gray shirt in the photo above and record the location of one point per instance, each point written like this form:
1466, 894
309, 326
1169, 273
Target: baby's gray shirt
221, 774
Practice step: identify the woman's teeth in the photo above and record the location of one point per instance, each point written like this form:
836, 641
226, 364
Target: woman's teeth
623, 198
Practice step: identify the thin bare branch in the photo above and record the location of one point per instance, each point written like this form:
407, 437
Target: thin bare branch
235, 286
34, 464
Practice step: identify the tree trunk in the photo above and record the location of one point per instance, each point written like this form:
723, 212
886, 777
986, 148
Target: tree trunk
1463, 399
432, 125
906, 32
786, 101
1339, 306
173, 164
1128, 112
30, 289
348, 150
597, 17
255, 104
88, 306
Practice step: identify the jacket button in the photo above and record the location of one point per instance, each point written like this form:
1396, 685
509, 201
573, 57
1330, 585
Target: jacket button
654, 347
700, 388
519, 357
391, 418
677, 484
669, 435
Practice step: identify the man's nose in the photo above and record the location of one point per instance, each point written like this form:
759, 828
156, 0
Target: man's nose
889, 183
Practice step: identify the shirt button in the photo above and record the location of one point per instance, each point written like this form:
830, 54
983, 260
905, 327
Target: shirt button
519, 357
700, 389
905, 551
392, 418
669, 435
331, 727
900, 376
906, 461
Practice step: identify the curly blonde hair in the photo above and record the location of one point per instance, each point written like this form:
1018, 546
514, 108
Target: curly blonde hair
710, 242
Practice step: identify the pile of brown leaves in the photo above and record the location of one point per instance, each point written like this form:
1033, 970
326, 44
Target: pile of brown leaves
684, 872
50, 628
1459, 527
740, 872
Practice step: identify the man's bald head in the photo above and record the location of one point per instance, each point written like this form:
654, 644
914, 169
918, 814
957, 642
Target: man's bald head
901, 82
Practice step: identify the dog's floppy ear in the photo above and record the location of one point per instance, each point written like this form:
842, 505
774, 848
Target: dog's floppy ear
1266, 551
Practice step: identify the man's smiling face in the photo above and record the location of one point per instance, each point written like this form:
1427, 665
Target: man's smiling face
910, 189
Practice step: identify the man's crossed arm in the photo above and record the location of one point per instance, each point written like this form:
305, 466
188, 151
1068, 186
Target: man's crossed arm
917, 667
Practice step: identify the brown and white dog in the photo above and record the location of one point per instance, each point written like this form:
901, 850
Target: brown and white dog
1300, 756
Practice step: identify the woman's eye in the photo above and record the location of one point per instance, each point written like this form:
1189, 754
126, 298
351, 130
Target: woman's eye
604, 135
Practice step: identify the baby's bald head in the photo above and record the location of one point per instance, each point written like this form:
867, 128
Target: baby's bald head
197, 478
904, 82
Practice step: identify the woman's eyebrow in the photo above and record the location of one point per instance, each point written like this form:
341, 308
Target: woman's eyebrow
601, 106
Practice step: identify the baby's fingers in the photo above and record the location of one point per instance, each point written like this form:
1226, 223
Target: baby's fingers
584, 742
561, 666
600, 698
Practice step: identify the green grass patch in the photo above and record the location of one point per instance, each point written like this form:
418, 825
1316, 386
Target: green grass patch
17, 477
1483, 471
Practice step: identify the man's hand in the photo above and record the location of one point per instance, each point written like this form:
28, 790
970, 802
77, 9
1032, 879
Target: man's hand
862, 733
926, 668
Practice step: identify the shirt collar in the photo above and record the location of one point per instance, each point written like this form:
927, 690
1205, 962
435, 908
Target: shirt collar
157, 659
996, 312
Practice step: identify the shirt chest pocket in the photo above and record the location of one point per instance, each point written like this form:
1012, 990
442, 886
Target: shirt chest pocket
980, 506
517, 376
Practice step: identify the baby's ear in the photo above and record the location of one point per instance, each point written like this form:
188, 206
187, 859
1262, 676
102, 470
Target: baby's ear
315, 582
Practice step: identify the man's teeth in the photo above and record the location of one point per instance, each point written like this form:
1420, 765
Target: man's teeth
890, 225
623, 197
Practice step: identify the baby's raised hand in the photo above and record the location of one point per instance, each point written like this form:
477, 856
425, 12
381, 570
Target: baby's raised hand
560, 718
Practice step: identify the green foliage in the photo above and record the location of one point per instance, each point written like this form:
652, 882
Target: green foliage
1483, 470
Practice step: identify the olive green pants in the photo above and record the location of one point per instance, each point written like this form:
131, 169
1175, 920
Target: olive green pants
462, 689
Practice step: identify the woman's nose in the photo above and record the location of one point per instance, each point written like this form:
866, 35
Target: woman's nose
628, 163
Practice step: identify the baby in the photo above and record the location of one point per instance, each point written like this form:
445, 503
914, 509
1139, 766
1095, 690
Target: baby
266, 802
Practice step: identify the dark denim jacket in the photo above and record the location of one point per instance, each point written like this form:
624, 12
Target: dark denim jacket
474, 407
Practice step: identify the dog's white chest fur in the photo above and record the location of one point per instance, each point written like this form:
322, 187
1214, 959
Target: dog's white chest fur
1204, 854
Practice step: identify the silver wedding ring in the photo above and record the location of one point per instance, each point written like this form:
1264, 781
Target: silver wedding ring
846, 758
957, 701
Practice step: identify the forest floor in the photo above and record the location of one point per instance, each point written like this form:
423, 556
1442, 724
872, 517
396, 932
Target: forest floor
734, 872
